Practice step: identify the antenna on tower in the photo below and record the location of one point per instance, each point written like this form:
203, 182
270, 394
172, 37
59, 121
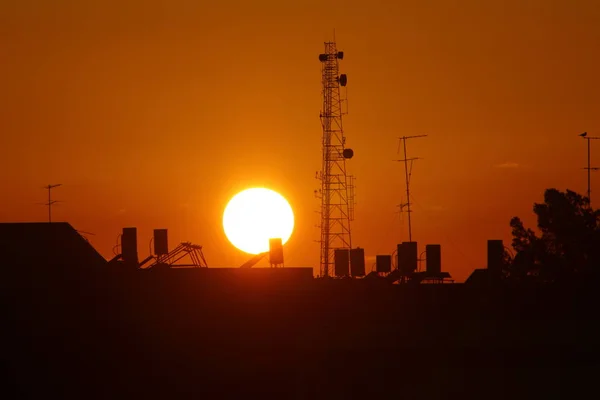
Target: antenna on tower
407, 174
50, 201
337, 188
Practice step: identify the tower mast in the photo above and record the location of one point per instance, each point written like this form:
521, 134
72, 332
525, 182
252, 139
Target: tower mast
337, 188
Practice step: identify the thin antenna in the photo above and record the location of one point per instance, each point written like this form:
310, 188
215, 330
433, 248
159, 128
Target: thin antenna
589, 166
407, 174
50, 201
84, 233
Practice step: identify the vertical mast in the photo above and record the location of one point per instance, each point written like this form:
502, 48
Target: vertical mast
336, 193
50, 201
407, 175
589, 165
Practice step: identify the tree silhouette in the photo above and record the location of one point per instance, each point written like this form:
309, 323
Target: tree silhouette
568, 246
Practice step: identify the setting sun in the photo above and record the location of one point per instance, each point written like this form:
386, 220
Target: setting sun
254, 216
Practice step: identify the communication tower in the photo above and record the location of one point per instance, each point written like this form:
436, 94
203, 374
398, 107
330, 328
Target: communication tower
337, 188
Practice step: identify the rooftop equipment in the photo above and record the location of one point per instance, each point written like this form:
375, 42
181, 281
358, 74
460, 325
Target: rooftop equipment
383, 263
275, 252
357, 262
433, 259
341, 262
129, 246
407, 258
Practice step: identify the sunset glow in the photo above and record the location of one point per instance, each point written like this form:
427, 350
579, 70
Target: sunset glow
254, 216
156, 114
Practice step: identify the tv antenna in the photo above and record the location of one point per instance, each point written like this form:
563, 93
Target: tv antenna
407, 174
50, 201
589, 167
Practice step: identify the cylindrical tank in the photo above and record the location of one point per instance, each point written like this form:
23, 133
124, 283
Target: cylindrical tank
407, 257
341, 262
433, 258
383, 263
357, 262
275, 251
129, 246
161, 243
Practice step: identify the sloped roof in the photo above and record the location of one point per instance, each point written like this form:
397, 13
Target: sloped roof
36, 245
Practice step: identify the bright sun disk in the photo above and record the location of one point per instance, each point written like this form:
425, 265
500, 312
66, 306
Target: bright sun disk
254, 216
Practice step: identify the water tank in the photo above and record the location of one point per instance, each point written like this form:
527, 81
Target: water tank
341, 262
433, 258
161, 244
399, 256
357, 262
275, 251
495, 255
383, 263
407, 257
129, 246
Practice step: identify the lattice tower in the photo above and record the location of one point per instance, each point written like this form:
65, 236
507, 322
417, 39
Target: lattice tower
337, 187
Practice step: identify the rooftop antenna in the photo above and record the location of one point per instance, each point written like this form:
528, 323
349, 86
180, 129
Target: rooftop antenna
50, 201
337, 187
589, 167
407, 174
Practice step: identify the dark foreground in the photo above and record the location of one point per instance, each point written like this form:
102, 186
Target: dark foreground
175, 336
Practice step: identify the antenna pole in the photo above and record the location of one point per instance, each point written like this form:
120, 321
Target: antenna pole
50, 201
589, 165
589, 168
405, 160
407, 193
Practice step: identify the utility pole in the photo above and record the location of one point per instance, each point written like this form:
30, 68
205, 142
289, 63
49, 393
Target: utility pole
589, 167
50, 201
407, 174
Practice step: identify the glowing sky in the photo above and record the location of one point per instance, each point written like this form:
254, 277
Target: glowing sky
154, 113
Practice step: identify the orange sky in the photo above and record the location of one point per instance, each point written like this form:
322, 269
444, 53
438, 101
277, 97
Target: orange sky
153, 114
